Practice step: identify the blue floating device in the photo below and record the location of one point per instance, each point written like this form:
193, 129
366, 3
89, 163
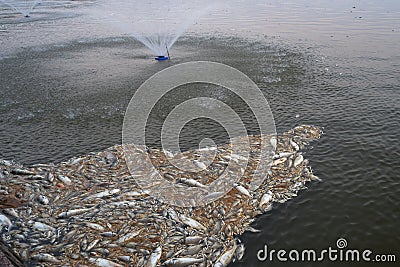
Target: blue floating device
161, 58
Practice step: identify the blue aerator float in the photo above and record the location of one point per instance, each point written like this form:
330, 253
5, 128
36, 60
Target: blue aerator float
160, 58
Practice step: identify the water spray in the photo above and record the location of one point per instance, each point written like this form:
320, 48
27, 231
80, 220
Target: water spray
169, 57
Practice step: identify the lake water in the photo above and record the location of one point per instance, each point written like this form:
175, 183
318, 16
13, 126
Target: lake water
66, 80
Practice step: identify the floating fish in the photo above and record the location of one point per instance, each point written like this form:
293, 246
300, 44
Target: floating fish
104, 262
154, 258
45, 258
182, 262
74, 212
226, 258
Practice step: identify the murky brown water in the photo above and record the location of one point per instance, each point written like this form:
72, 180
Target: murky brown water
66, 81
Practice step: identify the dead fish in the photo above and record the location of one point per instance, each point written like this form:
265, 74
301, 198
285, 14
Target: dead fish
124, 258
154, 258
200, 164
76, 161
282, 155
111, 159
238, 157
42, 227
181, 262
174, 216
192, 239
226, 258
95, 226
190, 182
168, 154
192, 250
45, 258
104, 193
299, 159
315, 178
278, 161
265, 199
252, 230
5, 221
70, 213
294, 145
11, 211
108, 234
92, 244
137, 193
104, 263
50, 177
191, 222
242, 190
239, 252
64, 179
129, 236
6, 162
43, 200
273, 142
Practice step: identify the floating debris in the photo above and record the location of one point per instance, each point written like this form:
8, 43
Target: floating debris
89, 211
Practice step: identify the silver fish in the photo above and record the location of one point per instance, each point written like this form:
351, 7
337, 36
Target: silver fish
174, 216
265, 199
129, 236
315, 178
181, 262
273, 142
95, 226
42, 227
192, 239
299, 159
5, 221
191, 222
11, 212
226, 258
168, 154
200, 164
239, 253
242, 190
104, 263
154, 258
45, 258
282, 155
252, 230
124, 258
64, 179
294, 145
70, 213
92, 244
190, 182
104, 193
43, 200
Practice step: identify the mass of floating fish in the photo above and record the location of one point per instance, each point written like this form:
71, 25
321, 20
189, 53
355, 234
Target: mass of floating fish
88, 211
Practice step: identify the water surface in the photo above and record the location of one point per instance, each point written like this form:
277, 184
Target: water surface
66, 81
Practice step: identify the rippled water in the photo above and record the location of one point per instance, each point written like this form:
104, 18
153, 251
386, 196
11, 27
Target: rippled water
333, 65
